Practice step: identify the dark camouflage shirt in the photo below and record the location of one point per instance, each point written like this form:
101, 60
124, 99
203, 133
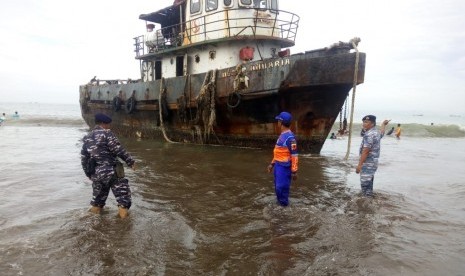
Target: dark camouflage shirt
103, 146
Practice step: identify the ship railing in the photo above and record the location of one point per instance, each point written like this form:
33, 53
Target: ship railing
139, 48
225, 24
99, 82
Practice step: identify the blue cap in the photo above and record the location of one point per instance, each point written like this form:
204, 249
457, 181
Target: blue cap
284, 116
102, 118
371, 118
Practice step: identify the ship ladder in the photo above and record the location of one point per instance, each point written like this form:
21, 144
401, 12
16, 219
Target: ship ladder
354, 43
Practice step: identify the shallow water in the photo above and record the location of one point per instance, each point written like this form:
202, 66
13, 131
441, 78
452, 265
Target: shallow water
205, 210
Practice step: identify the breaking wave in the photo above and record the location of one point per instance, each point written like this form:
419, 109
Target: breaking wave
420, 130
447, 131
46, 121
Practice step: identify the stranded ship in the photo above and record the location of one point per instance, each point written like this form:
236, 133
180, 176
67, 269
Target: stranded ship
219, 71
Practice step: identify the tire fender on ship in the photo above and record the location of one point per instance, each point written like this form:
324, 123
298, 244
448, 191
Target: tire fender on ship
130, 105
116, 104
235, 98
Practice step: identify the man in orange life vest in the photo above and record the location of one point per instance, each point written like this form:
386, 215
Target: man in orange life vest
285, 159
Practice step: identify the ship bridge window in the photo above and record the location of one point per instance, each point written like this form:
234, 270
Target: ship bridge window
195, 6
227, 3
246, 2
259, 4
211, 5
274, 4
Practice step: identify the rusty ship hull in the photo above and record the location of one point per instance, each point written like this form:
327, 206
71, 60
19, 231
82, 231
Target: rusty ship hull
312, 86
218, 72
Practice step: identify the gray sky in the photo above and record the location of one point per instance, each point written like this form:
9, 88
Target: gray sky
415, 49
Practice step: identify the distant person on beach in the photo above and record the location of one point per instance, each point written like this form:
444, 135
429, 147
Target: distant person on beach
398, 131
390, 131
16, 115
2, 119
343, 130
285, 160
99, 154
369, 153
333, 136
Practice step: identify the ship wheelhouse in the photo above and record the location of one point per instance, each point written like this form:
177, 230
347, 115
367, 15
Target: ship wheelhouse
195, 36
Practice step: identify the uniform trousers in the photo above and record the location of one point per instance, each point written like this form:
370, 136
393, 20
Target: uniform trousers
367, 176
119, 187
282, 183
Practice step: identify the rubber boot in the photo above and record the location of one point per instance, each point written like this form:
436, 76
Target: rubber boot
122, 212
95, 209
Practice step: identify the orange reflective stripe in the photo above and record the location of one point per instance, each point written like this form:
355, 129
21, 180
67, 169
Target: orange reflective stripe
295, 163
281, 154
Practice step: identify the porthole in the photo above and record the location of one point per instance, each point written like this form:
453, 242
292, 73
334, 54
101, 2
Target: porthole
212, 55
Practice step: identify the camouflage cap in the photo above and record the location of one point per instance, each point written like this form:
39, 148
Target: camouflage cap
102, 118
371, 118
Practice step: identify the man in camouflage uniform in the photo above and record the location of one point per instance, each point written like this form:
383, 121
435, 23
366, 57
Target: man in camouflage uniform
369, 153
102, 147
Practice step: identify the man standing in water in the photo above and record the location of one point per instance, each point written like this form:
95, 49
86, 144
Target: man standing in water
2, 118
285, 159
99, 154
398, 131
369, 153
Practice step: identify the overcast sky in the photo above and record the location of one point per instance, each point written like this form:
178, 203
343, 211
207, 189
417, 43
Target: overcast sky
415, 49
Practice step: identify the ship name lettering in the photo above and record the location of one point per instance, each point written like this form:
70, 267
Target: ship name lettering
263, 66
259, 66
226, 74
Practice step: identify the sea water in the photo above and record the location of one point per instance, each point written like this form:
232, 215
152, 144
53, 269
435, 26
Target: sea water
210, 210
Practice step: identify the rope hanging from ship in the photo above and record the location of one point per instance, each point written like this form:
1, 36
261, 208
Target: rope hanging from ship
239, 84
206, 110
354, 43
160, 109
